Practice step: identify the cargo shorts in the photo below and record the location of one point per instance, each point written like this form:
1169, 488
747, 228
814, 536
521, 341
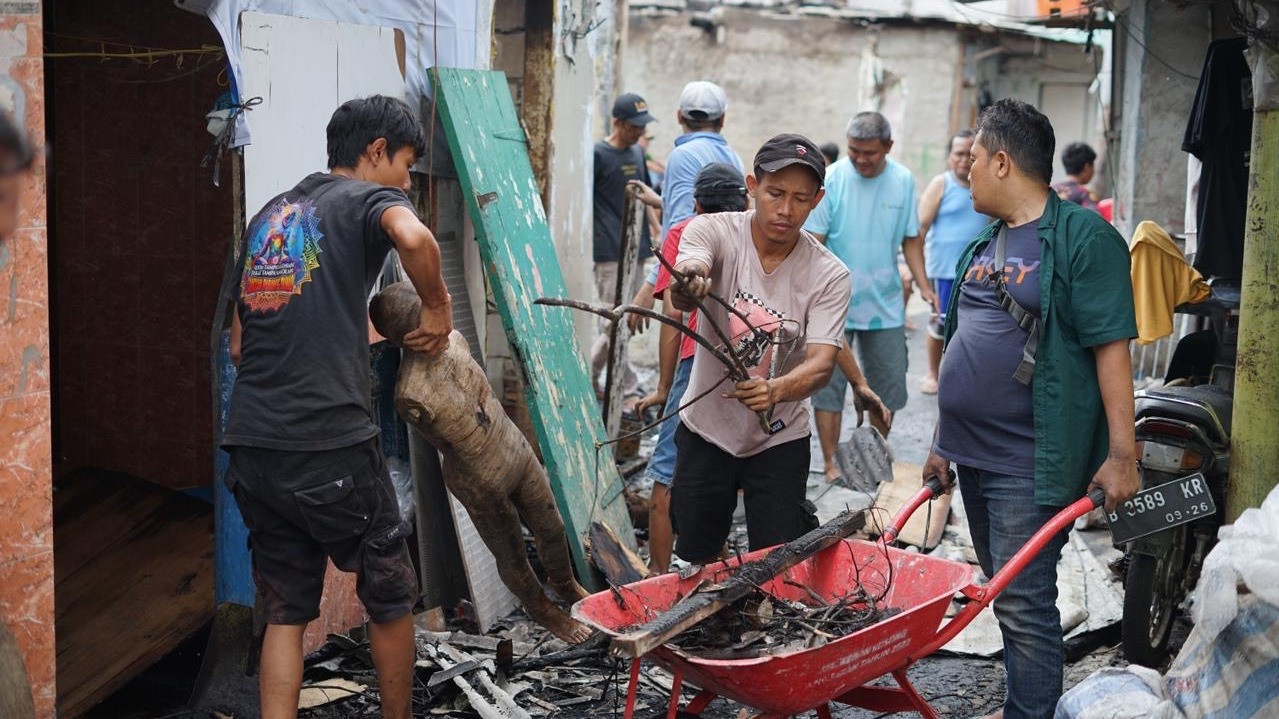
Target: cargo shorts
304, 508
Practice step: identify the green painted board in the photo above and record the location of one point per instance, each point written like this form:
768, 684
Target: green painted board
490, 150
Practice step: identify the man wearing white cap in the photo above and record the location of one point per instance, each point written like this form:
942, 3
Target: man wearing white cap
702, 106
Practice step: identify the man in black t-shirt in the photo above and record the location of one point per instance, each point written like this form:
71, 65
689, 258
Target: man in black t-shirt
306, 468
619, 161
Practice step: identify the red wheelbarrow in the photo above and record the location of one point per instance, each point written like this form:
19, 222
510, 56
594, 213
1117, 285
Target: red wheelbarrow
784, 684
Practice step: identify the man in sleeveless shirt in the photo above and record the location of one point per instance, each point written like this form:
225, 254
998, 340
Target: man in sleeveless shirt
948, 223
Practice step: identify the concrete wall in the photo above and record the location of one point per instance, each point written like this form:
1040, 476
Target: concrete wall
26, 498
787, 73
1055, 77
1155, 101
796, 74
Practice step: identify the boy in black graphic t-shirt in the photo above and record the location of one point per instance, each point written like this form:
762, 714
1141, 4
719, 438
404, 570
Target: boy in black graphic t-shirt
306, 469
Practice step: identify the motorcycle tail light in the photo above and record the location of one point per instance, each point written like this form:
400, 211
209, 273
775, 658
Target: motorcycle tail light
1166, 428
1191, 460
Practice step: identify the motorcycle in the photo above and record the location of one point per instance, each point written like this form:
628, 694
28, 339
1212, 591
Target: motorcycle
1183, 450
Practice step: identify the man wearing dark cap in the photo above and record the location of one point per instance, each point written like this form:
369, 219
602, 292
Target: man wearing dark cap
619, 161
753, 434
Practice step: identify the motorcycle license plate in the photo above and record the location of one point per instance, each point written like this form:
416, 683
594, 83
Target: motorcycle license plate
1158, 508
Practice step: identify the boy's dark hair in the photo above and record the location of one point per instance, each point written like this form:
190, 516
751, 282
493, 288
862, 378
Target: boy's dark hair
722, 204
1023, 132
831, 151
1076, 157
357, 123
961, 135
15, 149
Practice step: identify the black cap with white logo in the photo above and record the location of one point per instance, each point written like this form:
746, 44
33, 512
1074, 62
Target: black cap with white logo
785, 150
632, 108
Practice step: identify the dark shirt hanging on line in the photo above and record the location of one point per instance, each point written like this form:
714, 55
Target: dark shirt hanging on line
1219, 133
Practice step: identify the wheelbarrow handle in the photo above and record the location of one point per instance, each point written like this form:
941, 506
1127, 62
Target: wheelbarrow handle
982, 595
932, 489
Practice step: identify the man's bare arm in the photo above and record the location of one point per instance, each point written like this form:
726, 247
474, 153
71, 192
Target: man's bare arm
871, 402
237, 336
930, 203
420, 256
667, 358
800, 383
1118, 474
913, 249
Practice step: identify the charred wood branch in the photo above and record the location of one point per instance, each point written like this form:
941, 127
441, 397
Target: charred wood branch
705, 602
615, 314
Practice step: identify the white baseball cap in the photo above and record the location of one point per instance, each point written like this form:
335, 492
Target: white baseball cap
702, 100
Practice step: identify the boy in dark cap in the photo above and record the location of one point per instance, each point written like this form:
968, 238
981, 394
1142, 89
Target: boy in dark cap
795, 294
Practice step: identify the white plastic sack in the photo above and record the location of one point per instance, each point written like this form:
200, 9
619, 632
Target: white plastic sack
405, 492
1114, 693
1247, 555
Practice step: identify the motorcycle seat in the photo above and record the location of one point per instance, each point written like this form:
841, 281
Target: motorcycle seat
1202, 404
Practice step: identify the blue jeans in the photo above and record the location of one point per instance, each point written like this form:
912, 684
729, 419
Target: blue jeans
661, 466
1002, 515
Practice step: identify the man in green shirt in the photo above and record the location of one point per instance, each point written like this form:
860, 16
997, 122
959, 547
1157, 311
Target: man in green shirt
1036, 401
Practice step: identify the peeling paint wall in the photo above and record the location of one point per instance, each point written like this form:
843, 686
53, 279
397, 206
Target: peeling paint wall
26, 488
581, 91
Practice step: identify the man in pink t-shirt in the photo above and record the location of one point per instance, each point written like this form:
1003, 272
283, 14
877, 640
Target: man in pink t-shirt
794, 295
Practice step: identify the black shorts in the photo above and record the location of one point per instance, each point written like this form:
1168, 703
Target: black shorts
704, 495
303, 508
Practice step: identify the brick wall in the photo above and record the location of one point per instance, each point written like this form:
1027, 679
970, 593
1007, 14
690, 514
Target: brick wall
26, 517
139, 236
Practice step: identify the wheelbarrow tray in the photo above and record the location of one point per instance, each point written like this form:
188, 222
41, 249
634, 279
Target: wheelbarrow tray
921, 587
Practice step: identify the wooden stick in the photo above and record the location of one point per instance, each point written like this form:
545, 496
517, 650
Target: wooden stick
705, 602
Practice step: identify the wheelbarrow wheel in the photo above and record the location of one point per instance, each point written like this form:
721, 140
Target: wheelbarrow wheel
1151, 597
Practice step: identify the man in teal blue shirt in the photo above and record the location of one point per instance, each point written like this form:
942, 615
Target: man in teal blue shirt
869, 213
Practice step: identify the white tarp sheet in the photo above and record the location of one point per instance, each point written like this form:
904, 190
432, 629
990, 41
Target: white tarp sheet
450, 33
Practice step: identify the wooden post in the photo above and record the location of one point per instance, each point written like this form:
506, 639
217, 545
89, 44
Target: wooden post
1254, 460
633, 219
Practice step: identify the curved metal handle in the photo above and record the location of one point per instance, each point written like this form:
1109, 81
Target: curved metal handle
932, 489
984, 594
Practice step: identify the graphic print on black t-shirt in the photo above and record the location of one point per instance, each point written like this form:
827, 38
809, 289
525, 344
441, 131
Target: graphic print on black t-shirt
311, 257
283, 250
